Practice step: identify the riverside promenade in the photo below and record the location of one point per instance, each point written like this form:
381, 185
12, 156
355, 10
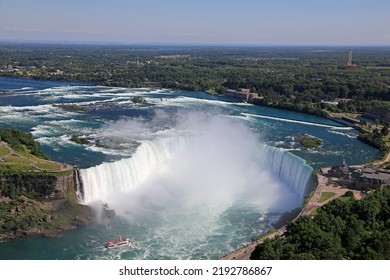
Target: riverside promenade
308, 209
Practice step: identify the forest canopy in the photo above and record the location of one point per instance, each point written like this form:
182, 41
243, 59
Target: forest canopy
297, 78
19, 139
341, 229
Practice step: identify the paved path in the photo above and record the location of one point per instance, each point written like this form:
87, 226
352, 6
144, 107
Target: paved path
380, 162
33, 160
245, 252
313, 204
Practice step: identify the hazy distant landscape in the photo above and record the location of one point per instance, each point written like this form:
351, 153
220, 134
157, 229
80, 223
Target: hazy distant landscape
296, 78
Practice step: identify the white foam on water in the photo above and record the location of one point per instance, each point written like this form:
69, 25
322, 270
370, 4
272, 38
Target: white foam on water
297, 121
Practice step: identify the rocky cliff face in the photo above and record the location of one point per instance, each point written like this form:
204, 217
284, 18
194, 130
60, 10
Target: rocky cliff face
41, 204
65, 186
47, 185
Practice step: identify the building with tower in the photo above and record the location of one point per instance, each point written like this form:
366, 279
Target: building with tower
359, 178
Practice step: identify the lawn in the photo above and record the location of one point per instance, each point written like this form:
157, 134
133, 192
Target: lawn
326, 195
23, 161
15, 167
48, 165
345, 198
18, 159
4, 151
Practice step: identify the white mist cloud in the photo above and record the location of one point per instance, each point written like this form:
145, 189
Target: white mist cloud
136, 129
219, 164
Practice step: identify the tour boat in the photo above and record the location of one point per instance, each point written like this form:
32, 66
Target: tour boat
117, 242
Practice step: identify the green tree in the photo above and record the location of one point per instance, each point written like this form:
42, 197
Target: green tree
385, 130
270, 249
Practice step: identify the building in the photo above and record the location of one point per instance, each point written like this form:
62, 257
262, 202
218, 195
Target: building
381, 114
359, 178
341, 171
371, 179
242, 94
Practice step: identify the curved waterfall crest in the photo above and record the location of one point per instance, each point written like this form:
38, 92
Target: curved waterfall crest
291, 169
128, 173
125, 174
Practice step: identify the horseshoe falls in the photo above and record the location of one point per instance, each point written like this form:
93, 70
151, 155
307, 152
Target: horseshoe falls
190, 175
127, 174
196, 182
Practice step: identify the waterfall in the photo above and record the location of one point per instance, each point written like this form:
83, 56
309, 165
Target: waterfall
125, 174
290, 168
128, 173
79, 185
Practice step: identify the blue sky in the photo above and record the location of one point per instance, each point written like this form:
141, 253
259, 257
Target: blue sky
238, 22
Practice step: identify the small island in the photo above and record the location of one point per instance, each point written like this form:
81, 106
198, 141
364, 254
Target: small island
71, 107
310, 142
79, 140
138, 99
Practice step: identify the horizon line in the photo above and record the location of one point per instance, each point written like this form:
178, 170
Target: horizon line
160, 44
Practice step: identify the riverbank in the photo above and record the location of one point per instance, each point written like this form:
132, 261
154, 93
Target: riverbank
314, 202
325, 191
367, 136
37, 195
24, 217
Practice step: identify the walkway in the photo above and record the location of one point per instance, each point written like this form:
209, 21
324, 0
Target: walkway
9, 157
312, 204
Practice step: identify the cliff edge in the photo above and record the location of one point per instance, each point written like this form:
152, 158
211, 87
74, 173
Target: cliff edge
37, 196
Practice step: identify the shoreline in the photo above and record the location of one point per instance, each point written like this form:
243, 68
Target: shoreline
308, 209
244, 253
60, 215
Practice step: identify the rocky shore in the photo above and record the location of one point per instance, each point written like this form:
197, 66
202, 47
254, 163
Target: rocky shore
22, 217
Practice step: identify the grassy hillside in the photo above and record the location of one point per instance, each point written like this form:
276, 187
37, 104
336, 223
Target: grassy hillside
28, 181
20, 153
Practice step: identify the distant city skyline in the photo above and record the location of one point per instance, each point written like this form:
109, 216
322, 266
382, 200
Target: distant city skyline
214, 22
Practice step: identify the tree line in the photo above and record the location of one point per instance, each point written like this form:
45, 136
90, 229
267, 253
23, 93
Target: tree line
19, 139
296, 78
341, 229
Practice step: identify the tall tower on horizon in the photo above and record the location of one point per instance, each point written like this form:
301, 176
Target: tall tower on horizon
349, 62
350, 57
